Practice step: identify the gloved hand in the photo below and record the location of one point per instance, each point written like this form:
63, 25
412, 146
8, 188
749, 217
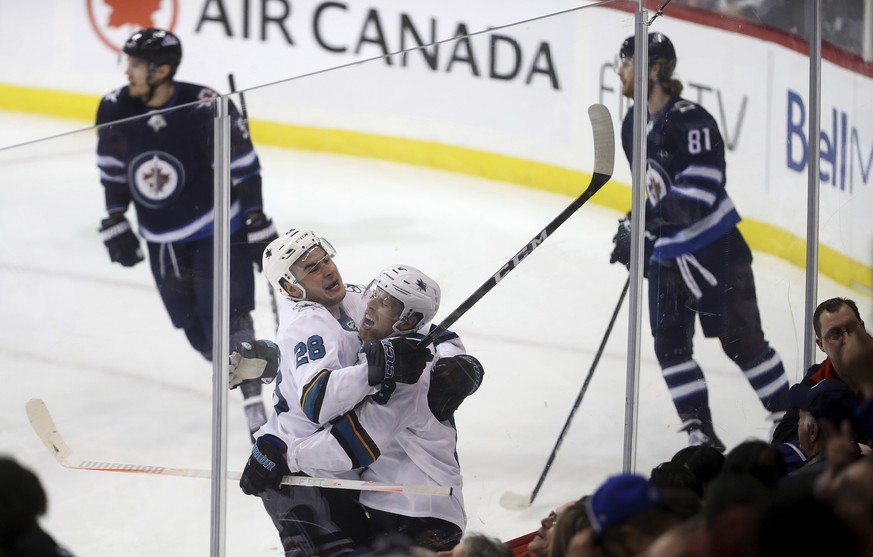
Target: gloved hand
266, 466
395, 359
120, 240
452, 380
259, 233
252, 361
622, 245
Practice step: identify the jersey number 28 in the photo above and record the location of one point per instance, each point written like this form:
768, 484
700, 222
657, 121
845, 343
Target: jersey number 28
312, 349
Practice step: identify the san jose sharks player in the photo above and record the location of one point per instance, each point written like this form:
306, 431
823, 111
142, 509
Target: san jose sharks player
697, 262
155, 150
340, 403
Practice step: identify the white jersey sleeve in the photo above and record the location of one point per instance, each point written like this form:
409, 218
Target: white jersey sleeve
321, 374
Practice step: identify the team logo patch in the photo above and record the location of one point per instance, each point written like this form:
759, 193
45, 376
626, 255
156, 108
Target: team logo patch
658, 182
157, 178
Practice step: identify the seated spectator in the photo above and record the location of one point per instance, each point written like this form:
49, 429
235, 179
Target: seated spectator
479, 545
705, 463
537, 544
796, 523
22, 502
627, 513
830, 321
830, 400
671, 475
757, 459
571, 520
850, 494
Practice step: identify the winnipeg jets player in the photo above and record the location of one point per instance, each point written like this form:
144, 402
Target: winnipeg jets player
160, 158
697, 262
324, 372
397, 436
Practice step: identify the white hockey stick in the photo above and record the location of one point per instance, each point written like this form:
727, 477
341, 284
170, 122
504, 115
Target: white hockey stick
45, 429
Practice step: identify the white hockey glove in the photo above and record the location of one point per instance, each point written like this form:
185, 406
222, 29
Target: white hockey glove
258, 360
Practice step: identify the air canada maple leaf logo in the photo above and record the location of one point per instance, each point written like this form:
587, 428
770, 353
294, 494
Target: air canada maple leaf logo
113, 21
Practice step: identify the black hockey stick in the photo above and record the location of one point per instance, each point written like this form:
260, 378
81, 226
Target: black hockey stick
245, 116
516, 501
604, 158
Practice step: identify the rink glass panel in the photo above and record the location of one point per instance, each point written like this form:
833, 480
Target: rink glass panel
450, 196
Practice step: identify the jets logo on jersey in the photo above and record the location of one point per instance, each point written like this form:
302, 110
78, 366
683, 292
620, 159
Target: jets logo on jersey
156, 178
658, 183
156, 122
206, 96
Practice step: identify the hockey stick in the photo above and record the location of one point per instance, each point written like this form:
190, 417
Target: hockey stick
44, 427
517, 501
245, 116
604, 158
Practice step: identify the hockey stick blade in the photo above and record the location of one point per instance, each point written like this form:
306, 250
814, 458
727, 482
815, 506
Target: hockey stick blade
515, 501
44, 427
604, 160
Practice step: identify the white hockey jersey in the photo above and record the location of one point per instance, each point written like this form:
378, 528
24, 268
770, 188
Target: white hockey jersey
322, 373
393, 437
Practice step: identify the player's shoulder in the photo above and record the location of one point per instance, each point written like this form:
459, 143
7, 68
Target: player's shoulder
115, 105
683, 111
195, 92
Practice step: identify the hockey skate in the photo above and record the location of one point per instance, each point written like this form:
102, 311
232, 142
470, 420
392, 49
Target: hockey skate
700, 433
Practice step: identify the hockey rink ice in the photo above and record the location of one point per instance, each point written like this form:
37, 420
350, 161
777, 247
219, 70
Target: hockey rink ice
93, 341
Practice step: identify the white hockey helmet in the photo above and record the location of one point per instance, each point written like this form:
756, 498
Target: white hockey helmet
284, 251
415, 290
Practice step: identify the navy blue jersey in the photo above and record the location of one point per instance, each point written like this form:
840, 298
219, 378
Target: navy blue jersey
687, 206
164, 163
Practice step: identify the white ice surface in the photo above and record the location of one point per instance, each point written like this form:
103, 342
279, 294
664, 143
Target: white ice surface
93, 341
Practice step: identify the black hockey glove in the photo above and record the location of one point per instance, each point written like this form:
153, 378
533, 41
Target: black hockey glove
395, 359
259, 233
254, 360
265, 467
622, 245
451, 381
119, 239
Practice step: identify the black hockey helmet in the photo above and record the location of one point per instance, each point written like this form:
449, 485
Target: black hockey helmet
660, 48
155, 45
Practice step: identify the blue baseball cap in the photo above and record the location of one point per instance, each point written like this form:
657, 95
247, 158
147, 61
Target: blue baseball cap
619, 498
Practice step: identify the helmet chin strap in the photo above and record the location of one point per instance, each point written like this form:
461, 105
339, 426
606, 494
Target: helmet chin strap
152, 86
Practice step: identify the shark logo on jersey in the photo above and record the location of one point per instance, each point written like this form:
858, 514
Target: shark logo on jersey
156, 178
658, 183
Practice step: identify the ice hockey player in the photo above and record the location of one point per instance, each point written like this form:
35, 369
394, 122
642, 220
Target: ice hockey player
160, 158
697, 262
397, 436
324, 372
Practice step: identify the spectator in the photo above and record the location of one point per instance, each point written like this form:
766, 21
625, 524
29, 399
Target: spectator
671, 475
541, 543
627, 513
830, 321
22, 502
572, 520
479, 545
757, 459
702, 461
830, 400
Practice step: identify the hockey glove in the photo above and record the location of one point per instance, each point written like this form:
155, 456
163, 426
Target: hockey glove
266, 466
395, 359
258, 360
119, 239
451, 381
259, 233
622, 245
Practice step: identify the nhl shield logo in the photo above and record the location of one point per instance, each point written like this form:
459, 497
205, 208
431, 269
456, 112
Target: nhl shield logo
113, 21
156, 178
